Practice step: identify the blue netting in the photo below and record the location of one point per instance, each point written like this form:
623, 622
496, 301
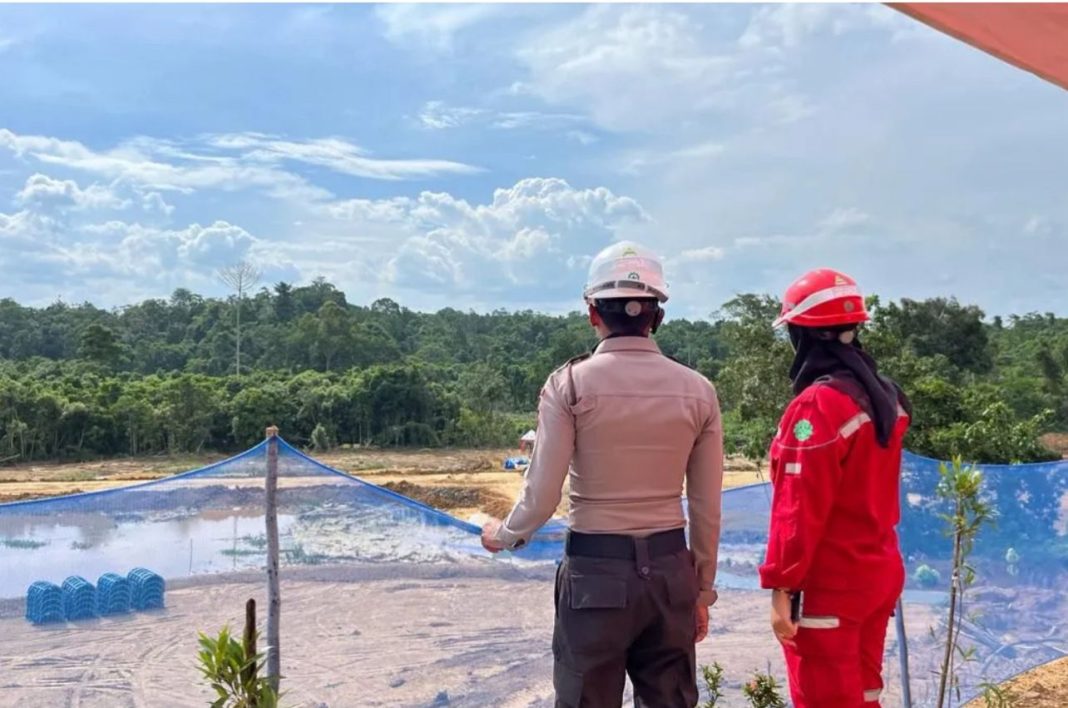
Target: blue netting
1015, 611
211, 521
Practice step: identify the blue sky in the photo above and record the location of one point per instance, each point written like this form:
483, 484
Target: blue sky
477, 156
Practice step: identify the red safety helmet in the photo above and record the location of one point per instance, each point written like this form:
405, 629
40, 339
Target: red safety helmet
822, 298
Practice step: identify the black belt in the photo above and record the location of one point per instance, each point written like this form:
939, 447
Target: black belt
596, 545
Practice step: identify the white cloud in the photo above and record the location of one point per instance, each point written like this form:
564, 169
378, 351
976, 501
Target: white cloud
434, 26
700, 150
582, 136
437, 116
158, 165
134, 163
786, 108
790, 25
1040, 226
630, 68
525, 240
52, 247
154, 202
701, 255
43, 191
338, 155
638, 163
134, 248
533, 119
844, 219
659, 69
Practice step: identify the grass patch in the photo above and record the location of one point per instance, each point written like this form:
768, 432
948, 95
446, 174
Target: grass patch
240, 552
258, 542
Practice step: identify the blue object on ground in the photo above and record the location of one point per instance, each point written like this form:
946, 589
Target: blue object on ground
146, 589
112, 594
44, 603
79, 598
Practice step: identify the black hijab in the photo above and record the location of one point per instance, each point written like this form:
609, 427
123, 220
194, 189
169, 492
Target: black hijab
819, 353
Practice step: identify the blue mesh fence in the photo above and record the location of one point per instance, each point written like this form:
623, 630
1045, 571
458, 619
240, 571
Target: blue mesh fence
211, 521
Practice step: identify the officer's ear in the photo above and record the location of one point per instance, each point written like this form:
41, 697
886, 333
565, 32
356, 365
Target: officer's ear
595, 316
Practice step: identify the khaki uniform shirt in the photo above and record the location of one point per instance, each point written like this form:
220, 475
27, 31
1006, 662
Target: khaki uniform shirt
631, 426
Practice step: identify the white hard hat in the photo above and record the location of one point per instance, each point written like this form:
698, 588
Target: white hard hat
625, 270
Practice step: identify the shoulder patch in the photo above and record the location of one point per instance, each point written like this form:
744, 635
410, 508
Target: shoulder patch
803, 429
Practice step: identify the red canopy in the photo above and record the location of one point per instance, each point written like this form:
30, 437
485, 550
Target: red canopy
1032, 36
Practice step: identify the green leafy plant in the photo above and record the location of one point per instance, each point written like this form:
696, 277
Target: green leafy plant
995, 696
321, 439
926, 576
233, 674
713, 678
962, 487
762, 691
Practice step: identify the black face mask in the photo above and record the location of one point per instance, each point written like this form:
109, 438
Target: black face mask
821, 352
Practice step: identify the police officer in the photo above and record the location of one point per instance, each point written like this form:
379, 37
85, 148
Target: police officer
634, 426
833, 562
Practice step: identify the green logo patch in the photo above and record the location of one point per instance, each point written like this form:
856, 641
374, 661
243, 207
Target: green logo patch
803, 430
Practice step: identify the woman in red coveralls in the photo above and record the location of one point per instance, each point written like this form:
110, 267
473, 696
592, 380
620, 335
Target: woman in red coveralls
835, 468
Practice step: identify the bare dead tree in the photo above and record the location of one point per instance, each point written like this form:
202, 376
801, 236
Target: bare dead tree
241, 277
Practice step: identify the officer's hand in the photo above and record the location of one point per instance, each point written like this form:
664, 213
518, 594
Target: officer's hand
700, 623
489, 536
784, 628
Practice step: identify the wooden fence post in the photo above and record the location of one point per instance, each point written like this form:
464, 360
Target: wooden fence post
250, 673
274, 598
903, 655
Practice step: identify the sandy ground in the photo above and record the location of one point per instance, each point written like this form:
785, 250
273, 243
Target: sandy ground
455, 635
1044, 687
370, 636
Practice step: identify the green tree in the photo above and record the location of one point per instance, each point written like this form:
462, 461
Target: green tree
754, 381
100, 344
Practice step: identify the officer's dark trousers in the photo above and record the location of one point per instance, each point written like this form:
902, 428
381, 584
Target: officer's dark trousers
625, 607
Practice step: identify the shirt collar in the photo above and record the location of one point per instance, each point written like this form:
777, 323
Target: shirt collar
627, 344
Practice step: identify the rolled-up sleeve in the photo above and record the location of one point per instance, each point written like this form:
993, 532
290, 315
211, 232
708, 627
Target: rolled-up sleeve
704, 490
544, 480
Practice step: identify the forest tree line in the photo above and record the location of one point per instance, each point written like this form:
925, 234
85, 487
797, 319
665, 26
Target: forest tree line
163, 375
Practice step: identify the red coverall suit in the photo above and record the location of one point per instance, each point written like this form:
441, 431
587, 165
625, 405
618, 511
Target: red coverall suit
833, 538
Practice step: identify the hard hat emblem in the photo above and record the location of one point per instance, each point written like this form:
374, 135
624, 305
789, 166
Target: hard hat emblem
628, 251
633, 275
848, 306
839, 280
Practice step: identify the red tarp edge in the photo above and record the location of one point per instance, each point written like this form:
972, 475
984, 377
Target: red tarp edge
1030, 36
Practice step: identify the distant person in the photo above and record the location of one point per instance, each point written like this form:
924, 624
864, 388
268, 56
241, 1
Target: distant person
633, 425
833, 562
